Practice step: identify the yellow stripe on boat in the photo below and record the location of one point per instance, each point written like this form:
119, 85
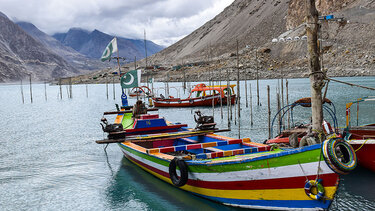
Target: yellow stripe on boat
266, 194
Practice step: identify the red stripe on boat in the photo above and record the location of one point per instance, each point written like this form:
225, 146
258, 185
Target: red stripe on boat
279, 183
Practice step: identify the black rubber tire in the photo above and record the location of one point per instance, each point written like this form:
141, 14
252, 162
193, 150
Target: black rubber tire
182, 180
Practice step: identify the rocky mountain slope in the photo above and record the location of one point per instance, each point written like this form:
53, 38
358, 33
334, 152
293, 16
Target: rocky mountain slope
79, 61
21, 55
269, 33
93, 43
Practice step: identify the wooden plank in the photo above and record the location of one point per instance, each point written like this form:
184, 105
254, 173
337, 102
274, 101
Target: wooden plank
158, 137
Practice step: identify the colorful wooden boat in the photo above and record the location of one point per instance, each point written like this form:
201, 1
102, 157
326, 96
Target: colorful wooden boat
362, 138
235, 172
200, 95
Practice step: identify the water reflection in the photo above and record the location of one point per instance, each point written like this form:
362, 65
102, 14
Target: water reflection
133, 186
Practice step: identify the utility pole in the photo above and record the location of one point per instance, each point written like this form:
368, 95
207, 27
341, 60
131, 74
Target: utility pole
316, 75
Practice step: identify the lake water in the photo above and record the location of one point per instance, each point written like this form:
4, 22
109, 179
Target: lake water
49, 160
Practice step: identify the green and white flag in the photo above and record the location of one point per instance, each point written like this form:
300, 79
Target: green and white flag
131, 79
109, 50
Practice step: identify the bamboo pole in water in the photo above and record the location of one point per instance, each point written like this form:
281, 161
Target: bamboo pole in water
228, 98
247, 104
70, 87
287, 100
45, 90
221, 97
257, 76
278, 109
113, 87
60, 89
238, 84
87, 91
106, 85
23, 99
269, 112
31, 91
251, 107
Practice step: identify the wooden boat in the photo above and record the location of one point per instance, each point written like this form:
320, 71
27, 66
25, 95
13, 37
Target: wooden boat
140, 92
235, 172
299, 130
362, 138
199, 96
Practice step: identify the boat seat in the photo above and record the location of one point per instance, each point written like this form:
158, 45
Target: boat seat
213, 149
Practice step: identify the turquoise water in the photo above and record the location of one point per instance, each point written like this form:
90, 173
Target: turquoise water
49, 160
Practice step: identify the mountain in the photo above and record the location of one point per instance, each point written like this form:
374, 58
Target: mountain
93, 43
347, 41
21, 54
76, 59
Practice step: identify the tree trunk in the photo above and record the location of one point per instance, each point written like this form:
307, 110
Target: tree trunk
316, 75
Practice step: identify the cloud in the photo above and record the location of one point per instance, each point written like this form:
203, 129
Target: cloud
165, 21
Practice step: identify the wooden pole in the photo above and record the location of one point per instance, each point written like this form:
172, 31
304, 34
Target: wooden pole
106, 85
278, 109
269, 112
282, 98
238, 84
287, 99
257, 76
23, 99
316, 75
247, 105
113, 87
87, 91
251, 107
221, 97
60, 89
70, 87
228, 98
184, 80
45, 90
31, 91
145, 47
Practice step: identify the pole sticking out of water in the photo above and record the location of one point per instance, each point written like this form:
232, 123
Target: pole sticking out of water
238, 84
287, 99
251, 107
257, 76
247, 105
87, 91
60, 89
31, 91
228, 98
113, 87
106, 85
45, 90
221, 97
278, 109
23, 99
269, 112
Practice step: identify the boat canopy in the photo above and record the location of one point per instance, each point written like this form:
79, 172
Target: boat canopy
201, 89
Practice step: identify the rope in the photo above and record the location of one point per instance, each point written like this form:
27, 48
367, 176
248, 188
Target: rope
307, 179
350, 84
361, 145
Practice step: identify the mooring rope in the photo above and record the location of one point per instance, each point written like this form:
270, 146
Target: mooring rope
307, 179
350, 84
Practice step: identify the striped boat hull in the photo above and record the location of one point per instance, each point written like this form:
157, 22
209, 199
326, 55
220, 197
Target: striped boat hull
274, 181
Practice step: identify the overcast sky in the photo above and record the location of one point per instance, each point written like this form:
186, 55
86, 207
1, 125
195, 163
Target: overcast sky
165, 21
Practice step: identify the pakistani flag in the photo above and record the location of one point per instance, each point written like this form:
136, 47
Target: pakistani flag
111, 48
131, 79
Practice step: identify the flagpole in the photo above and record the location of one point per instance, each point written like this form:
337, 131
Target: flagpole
118, 62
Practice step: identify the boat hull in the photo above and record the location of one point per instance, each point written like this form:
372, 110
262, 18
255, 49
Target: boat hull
275, 181
365, 151
193, 102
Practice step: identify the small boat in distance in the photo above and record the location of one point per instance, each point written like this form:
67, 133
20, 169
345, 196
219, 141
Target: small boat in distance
200, 95
142, 91
362, 138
